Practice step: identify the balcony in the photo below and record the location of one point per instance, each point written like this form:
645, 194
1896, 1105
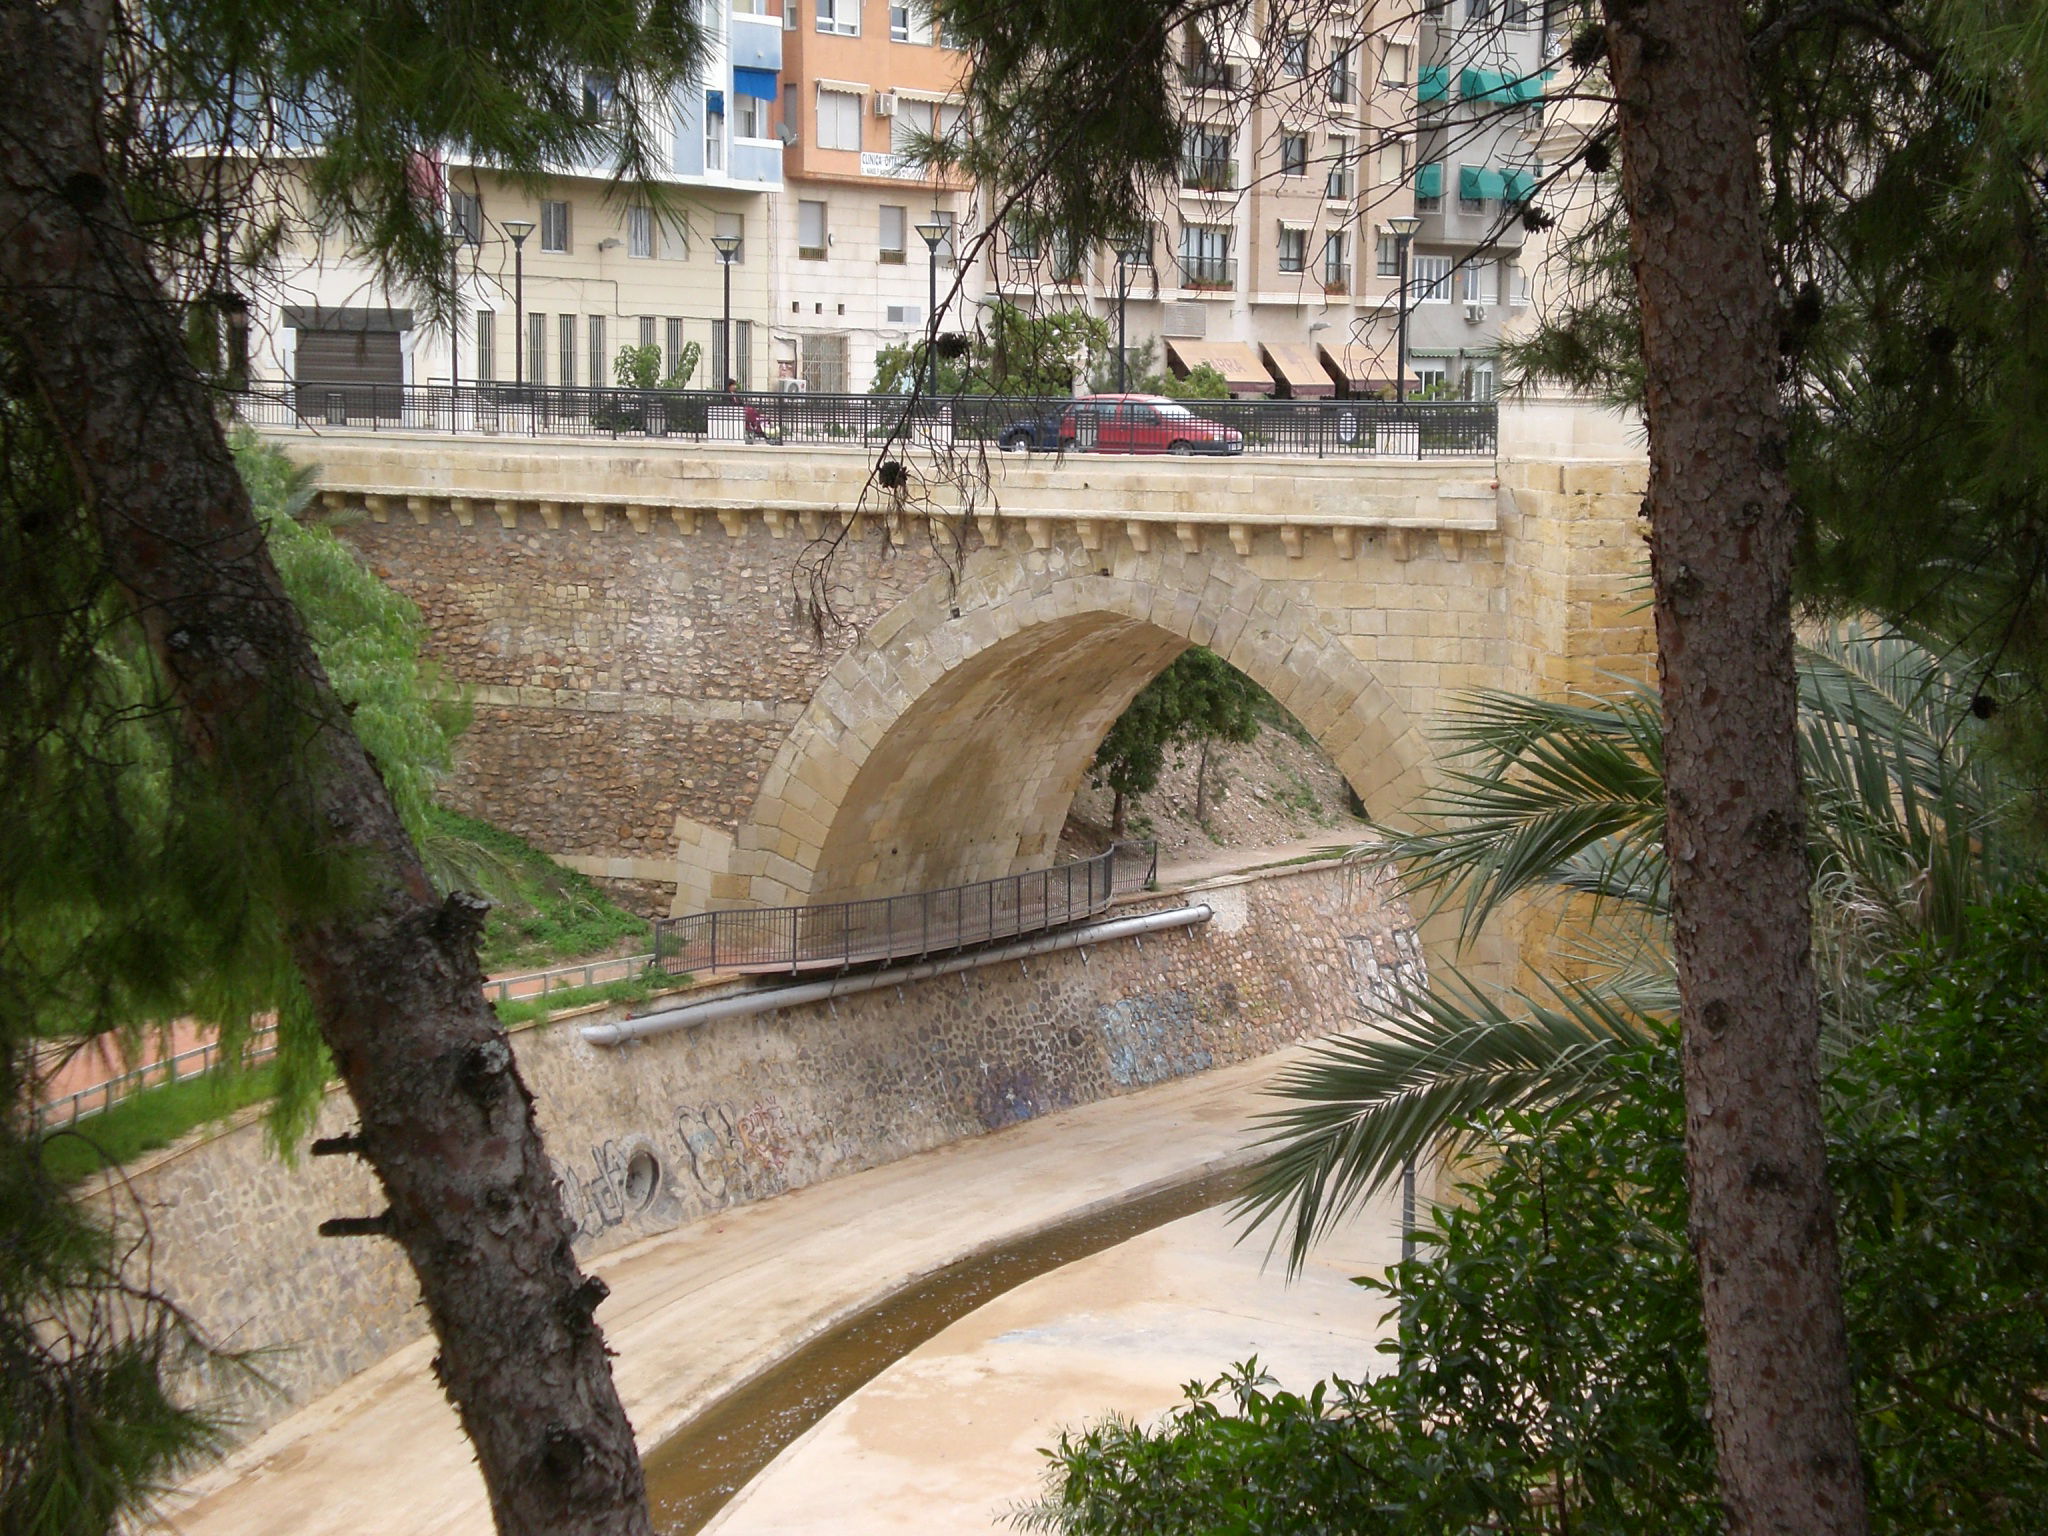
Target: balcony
1208, 75
1210, 272
1207, 175
1337, 277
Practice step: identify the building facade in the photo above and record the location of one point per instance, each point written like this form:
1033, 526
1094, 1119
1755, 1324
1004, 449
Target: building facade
554, 279
865, 82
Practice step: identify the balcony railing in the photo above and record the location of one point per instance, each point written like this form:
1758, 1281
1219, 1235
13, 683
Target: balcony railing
1208, 175
837, 936
1337, 277
1311, 428
1208, 75
1208, 272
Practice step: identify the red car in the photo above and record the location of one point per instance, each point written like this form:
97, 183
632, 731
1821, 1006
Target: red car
1143, 424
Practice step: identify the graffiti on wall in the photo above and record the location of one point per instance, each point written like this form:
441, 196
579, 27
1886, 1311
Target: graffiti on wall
1151, 1037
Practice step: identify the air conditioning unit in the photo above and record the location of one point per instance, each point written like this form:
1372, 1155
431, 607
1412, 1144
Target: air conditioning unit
885, 103
789, 386
1474, 313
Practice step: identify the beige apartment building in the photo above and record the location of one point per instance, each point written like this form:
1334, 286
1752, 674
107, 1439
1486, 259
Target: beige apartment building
553, 281
863, 79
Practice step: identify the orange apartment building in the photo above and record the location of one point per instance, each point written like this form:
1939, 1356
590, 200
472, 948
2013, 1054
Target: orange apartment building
851, 273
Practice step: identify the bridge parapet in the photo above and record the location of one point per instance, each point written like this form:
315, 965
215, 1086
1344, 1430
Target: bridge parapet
647, 486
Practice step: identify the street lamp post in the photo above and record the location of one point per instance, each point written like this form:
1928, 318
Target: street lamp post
1128, 255
932, 233
728, 247
518, 229
1403, 227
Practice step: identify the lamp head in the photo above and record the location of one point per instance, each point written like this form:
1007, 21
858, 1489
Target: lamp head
518, 229
933, 234
1403, 226
727, 246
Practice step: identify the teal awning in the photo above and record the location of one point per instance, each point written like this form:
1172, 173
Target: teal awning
1429, 180
1518, 187
1477, 186
1529, 88
1433, 84
1485, 85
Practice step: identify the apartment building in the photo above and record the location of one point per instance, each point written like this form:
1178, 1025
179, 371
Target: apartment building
1479, 106
864, 81
1309, 128
554, 281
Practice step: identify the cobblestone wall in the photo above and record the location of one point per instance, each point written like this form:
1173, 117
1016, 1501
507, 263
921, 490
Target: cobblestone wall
650, 1136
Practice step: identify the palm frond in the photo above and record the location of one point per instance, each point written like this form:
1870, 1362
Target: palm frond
1540, 793
1364, 1105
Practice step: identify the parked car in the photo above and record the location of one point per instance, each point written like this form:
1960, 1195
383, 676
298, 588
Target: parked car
1037, 434
1143, 424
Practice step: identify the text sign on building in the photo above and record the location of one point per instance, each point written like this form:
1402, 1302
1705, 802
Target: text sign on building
891, 165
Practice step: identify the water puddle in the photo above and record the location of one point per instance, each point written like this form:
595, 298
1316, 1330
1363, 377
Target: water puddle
692, 1474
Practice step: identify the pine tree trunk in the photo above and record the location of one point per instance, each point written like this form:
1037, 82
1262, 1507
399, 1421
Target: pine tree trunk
1721, 529
1116, 813
392, 972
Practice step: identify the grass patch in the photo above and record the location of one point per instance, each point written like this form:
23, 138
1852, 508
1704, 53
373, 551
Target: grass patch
632, 989
153, 1118
542, 914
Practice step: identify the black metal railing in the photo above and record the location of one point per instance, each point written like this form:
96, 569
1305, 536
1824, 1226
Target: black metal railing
836, 936
1317, 428
1208, 272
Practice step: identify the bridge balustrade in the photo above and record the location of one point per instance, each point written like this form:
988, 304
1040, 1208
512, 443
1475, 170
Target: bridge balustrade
839, 935
1311, 428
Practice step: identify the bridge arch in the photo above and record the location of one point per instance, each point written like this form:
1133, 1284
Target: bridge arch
948, 743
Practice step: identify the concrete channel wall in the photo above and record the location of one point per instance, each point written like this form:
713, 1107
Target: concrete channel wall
648, 1136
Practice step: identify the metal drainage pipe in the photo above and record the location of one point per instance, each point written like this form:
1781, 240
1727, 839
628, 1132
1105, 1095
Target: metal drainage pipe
620, 1031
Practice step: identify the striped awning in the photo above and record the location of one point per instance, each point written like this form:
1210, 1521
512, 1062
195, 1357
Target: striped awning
1240, 368
1297, 365
1366, 369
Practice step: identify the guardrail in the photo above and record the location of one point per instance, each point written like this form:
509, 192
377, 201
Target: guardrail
837, 936
1321, 428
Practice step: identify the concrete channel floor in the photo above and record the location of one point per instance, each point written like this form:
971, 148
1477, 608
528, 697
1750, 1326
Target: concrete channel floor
946, 1441
697, 1311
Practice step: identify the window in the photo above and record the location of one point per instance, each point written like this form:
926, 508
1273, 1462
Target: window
1023, 241
640, 232
916, 120
732, 224
1480, 284
1479, 10
554, 226
1336, 270
600, 98
486, 346
822, 364
565, 364
749, 116
790, 18
743, 352
1294, 155
838, 119
810, 230
1517, 285
1205, 256
894, 222
840, 16
1293, 249
1205, 163
537, 348
907, 24
466, 217
1432, 375
598, 353
714, 130
1340, 169
1480, 383
1066, 264
672, 350
647, 330
1294, 55
1386, 256
1429, 280
1394, 65
672, 238
1468, 184
1342, 53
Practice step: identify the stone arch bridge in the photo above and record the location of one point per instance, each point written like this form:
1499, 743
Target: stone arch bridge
649, 707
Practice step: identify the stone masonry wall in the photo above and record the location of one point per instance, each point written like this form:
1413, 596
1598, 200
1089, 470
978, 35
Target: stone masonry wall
649, 1136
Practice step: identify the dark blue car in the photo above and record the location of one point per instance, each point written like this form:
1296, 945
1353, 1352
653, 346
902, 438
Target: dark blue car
1036, 434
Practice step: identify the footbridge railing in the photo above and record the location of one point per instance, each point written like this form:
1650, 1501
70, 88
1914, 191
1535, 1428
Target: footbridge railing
839, 935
